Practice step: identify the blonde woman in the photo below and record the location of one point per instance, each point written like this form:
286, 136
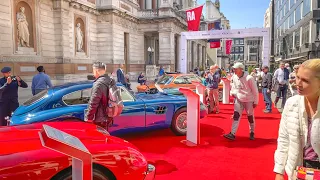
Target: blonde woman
299, 131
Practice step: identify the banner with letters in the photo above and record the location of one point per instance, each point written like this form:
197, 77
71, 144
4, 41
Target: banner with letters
193, 18
214, 43
228, 46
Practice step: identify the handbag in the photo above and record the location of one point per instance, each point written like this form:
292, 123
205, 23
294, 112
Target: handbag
302, 173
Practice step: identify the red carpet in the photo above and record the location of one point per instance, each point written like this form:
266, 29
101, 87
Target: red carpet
221, 159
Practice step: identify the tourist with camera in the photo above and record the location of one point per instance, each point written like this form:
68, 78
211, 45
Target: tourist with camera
9, 94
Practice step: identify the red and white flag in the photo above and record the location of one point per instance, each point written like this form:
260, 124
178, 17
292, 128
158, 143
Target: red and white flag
193, 18
228, 46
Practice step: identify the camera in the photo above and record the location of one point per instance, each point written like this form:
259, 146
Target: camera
13, 78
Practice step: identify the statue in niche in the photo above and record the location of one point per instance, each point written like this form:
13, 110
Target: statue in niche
79, 38
23, 31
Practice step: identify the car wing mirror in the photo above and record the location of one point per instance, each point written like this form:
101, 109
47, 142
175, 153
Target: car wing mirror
90, 77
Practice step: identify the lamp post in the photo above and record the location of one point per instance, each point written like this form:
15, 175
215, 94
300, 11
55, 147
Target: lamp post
150, 51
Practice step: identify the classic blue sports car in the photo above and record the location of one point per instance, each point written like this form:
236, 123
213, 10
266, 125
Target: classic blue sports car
141, 110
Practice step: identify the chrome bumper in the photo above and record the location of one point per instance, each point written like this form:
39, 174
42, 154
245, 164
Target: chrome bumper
150, 173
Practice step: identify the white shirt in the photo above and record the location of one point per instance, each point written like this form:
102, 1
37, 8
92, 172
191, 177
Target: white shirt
279, 74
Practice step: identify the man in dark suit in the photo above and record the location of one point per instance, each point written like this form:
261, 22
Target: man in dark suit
120, 75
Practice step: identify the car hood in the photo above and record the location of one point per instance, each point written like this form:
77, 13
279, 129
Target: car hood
15, 138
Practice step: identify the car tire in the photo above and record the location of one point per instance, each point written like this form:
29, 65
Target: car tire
179, 122
97, 174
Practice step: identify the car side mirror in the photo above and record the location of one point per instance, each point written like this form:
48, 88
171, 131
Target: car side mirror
91, 77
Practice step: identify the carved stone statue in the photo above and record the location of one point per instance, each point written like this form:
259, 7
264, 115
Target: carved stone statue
79, 38
23, 31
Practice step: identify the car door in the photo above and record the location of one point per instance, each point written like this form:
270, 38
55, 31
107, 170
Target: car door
132, 116
159, 113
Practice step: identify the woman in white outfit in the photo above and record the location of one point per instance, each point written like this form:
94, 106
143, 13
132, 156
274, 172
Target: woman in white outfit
299, 131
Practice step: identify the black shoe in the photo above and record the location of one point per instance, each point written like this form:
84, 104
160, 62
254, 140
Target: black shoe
252, 136
230, 136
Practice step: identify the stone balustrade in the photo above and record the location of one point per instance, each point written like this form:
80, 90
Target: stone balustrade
148, 13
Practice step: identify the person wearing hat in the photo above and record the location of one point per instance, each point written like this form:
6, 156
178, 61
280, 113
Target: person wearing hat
266, 88
40, 82
245, 91
9, 94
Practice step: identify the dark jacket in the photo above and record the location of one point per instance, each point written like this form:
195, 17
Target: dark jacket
120, 77
267, 81
9, 92
99, 98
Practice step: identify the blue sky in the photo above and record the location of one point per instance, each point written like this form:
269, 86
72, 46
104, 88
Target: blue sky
243, 13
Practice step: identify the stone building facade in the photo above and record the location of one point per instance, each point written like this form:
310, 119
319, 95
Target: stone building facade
66, 36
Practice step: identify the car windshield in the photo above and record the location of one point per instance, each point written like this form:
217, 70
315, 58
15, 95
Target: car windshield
166, 79
35, 98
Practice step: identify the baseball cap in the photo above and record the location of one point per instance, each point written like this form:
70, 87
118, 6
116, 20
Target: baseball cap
5, 69
238, 65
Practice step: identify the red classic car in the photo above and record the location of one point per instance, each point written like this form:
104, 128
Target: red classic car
22, 155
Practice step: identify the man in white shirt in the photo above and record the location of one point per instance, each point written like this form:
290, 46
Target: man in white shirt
245, 91
281, 77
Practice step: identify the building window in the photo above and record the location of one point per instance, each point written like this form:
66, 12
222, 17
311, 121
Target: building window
318, 29
253, 50
291, 3
306, 7
297, 38
236, 49
286, 6
291, 20
318, 3
305, 33
241, 41
237, 42
298, 13
253, 58
232, 49
241, 49
290, 42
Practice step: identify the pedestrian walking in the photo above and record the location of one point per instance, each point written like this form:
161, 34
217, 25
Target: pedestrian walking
266, 89
245, 91
213, 79
280, 79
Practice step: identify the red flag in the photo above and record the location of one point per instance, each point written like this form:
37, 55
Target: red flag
228, 46
193, 18
215, 44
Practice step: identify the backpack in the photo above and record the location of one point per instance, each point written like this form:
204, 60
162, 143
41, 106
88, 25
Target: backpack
114, 104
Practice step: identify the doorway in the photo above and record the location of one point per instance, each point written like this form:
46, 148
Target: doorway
126, 52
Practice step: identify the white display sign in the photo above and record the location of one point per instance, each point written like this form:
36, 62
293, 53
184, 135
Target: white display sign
82, 68
27, 69
224, 34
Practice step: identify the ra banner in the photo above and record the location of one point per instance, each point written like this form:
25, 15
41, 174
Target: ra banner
193, 18
228, 46
214, 43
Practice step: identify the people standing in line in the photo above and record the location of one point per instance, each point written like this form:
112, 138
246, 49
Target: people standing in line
299, 130
40, 82
9, 94
281, 77
266, 89
99, 96
292, 80
245, 91
120, 76
213, 80
142, 79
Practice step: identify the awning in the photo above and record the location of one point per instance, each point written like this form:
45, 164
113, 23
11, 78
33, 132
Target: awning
291, 59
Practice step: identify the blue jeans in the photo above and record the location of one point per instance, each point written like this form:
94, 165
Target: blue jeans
282, 91
267, 98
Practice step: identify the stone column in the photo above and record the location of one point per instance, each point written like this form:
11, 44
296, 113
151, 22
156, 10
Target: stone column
166, 47
200, 56
195, 54
178, 54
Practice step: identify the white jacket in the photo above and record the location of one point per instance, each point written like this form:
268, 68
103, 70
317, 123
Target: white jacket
293, 133
245, 88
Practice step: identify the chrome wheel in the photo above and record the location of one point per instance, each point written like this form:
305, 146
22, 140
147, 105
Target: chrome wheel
182, 122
